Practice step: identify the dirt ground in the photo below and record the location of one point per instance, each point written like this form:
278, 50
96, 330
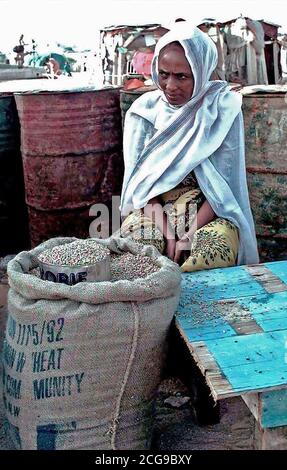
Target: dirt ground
176, 425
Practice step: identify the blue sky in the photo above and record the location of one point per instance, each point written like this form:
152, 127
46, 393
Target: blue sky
78, 22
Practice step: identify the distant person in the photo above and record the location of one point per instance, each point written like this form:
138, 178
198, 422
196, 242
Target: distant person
34, 53
19, 49
52, 67
67, 69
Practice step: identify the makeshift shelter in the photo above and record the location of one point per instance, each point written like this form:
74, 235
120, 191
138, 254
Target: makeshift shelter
252, 51
272, 51
40, 60
118, 45
249, 51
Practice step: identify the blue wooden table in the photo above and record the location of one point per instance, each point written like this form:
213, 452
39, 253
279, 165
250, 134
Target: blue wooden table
234, 323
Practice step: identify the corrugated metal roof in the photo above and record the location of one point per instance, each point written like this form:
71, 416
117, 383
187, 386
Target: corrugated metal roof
143, 26
272, 24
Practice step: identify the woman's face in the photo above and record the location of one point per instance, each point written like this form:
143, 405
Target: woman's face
175, 75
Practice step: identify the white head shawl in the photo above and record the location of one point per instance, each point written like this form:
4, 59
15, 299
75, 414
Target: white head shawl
164, 143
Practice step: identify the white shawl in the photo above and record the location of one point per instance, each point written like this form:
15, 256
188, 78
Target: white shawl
164, 143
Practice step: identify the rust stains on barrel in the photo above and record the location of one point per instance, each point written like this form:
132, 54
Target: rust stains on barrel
13, 217
72, 155
265, 117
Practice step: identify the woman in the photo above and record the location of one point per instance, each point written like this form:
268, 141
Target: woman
184, 145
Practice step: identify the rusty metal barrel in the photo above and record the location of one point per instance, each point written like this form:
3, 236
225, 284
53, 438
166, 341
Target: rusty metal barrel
265, 117
71, 146
13, 216
127, 97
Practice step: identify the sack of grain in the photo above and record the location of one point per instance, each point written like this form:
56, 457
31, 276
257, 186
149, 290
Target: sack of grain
82, 362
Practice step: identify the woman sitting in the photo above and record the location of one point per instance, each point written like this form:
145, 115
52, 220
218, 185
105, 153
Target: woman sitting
184, 187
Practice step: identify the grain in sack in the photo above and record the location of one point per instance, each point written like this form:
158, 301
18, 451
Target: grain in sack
82, 362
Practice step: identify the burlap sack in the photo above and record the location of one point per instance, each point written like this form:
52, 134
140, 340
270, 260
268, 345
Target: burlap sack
82, 362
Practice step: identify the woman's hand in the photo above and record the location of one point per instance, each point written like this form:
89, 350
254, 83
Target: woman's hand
170, 248
182, 245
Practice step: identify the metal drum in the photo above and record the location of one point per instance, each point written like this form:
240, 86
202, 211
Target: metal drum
265, 117
72, 157
13, 213
128, 97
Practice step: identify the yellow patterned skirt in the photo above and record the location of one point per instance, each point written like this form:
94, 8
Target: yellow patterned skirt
214, 246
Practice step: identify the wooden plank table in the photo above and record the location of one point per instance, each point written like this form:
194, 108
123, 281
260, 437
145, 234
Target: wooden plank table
234, 323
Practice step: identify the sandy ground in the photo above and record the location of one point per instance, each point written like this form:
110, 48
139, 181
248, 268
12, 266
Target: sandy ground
174, 428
